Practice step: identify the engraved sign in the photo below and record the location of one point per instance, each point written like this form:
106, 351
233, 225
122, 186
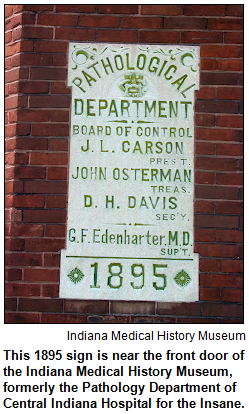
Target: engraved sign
131, 173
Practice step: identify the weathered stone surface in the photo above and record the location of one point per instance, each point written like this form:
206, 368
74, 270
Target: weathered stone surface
130, 211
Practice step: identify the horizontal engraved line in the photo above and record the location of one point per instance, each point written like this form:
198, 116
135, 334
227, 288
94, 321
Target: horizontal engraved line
111, 257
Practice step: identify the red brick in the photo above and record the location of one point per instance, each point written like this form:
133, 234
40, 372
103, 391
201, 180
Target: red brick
105, 35
8, 65
44, 216
219, 280
14, 244
63, 318
76, 8
217, 250
178, 308
229, 179
203, 206
235, 10
31, 143
118, 8
201, 37
32, 59
162, 9
232, 295
225, 24
204, 120
216, 163
24, 201
141, 23
86, 306
215, 134
9, 172
204, 220
60, 87
230, 65
33, 115
16, 158
234, 149
41, 305
216, 106
209, 265
52, 101
32, 32
48, 158
13, 274
30, 172
13, 22
8, 10
214, 78
8, 37
235, 93
55, 230
53, 130
137, 308
10, 304
48, 74
12, 75
22, 289
200, 320
57, 144
159, 37
209, 64
194, 23
50, 291
234, 38
204, 235
57, 19
13, 187
52, 46
222, 51
60, 60
17, 47
23, 259
17, 33
49, 187
216, 192
213, 309
13, 215
37, 7
210, 294
114, 319
10, 130
204, 10
232, 121
99, 21
28, 230
41, 275
56, 201
74, 34
240, 136
204, 177
52, 259
230, 236
228, 207
59, 115
57, 173
205, 93
19, 317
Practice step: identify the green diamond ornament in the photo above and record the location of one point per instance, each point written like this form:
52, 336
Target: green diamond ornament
182, 278
76, 275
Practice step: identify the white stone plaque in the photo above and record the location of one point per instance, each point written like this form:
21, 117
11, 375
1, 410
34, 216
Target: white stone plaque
131, 174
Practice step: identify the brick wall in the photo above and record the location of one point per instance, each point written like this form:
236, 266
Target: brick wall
37, 141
